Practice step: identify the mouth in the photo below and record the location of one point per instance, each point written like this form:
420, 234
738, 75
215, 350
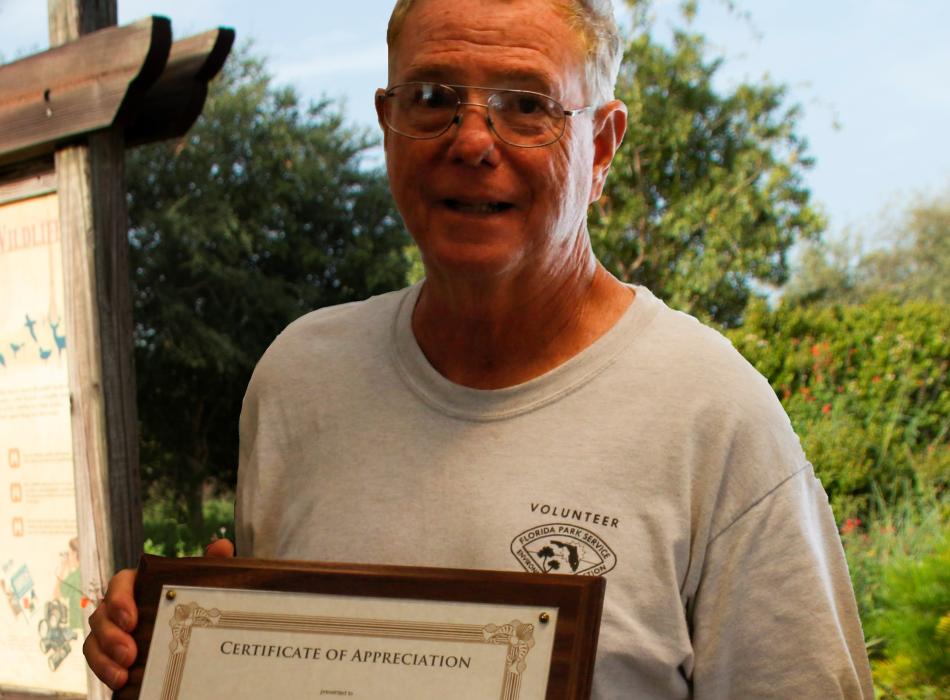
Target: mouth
477, 207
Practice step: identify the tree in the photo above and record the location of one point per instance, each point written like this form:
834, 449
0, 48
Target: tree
262, 213
912, 263
706, 196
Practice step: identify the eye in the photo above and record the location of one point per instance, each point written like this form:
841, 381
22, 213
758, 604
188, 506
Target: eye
528, 104
434, 96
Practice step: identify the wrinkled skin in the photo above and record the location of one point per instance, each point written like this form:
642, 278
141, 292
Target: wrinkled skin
512, 286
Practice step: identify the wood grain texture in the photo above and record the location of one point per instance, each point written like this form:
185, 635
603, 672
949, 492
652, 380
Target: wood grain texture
87, 403
94, 223
114, 302
29, 179
88, 84
579, 600
70, 19
6, 694
99, 321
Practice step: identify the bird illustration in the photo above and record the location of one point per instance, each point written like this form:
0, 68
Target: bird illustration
60, 339
44, 354
29, 324
572, 557
16, 348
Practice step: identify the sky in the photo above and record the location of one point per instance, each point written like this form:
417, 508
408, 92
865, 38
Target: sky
870, 75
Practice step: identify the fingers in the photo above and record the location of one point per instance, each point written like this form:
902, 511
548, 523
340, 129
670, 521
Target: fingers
103, 665
120, 600
220, 548
109, 649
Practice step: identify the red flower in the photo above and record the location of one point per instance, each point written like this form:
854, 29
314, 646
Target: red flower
826, 408
850, 525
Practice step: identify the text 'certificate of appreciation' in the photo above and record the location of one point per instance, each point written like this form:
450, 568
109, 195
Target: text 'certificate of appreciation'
236, 644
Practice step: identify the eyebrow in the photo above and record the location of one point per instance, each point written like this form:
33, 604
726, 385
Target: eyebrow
515, 78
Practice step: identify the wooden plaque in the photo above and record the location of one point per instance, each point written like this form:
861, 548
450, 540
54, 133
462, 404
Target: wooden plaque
231, 603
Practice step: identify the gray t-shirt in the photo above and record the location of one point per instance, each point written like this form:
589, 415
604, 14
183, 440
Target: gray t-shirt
657, 457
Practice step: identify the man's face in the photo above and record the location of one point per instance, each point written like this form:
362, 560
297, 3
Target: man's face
473, 203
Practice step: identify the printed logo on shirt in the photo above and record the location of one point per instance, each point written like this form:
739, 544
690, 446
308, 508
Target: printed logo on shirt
563, 548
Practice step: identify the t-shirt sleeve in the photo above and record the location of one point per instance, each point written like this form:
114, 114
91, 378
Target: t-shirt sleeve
774, 615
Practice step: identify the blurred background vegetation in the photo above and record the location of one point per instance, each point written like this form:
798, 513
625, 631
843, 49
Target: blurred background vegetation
270, 208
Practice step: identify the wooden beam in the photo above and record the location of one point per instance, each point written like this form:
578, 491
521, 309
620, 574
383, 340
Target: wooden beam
26, 180
23, 695
83, 86
173, 103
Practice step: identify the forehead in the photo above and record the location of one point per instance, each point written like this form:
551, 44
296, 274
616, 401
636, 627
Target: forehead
499, 43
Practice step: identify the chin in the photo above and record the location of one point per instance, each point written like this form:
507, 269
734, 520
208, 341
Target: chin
472, 259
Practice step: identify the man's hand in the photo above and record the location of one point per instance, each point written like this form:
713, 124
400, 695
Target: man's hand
109, 648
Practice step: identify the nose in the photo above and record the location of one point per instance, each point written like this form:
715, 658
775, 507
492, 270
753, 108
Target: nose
473, 139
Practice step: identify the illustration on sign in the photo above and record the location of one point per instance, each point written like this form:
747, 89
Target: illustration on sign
42, 616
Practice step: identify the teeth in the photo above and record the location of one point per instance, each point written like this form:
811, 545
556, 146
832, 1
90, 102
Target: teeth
485, 208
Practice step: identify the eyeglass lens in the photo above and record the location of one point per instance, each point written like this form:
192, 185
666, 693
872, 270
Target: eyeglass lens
521, 118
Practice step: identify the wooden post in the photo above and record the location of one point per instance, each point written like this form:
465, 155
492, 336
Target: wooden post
94, 226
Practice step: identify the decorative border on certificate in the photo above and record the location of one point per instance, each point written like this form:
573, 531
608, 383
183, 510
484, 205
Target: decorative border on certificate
426, 607
518, 636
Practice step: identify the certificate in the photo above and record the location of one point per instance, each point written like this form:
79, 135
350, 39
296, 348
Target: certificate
248, 628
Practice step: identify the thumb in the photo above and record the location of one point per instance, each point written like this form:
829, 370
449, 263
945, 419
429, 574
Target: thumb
220, 549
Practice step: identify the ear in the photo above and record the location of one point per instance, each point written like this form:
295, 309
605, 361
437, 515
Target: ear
380, 95
610, 124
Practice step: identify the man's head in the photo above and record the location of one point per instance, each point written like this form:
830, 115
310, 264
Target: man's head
479, 197
593, 20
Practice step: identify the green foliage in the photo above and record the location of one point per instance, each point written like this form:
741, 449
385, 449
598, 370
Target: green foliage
900, 567
167, 536
912, 263
866, 388
262, 213
706, 195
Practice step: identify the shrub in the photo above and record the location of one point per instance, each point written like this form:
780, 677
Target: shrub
866, 388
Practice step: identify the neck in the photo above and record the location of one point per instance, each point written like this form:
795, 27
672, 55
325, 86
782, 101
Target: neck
489, 334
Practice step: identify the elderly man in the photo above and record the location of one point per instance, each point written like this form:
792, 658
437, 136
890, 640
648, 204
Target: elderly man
521, 408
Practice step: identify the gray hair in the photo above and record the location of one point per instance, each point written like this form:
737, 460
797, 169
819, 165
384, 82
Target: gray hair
593, 20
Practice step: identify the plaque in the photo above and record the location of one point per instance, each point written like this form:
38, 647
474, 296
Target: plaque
250, 628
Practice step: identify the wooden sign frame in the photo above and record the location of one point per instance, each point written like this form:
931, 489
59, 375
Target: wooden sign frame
578, 600
72, 111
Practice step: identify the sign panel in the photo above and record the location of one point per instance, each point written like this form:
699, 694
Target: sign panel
41, 598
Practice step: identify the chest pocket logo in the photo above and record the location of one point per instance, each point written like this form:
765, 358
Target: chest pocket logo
564, 549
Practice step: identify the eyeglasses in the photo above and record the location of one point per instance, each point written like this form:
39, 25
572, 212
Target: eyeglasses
518, 117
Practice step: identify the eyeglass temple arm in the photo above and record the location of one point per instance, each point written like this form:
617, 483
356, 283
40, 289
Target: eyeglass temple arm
579, 110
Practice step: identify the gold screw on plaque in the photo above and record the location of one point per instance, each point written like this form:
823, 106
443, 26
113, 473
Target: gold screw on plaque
543, 618
170, 595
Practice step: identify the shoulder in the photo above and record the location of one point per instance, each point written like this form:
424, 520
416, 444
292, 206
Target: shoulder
699, 364
725, 409
329, 342
341, 324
